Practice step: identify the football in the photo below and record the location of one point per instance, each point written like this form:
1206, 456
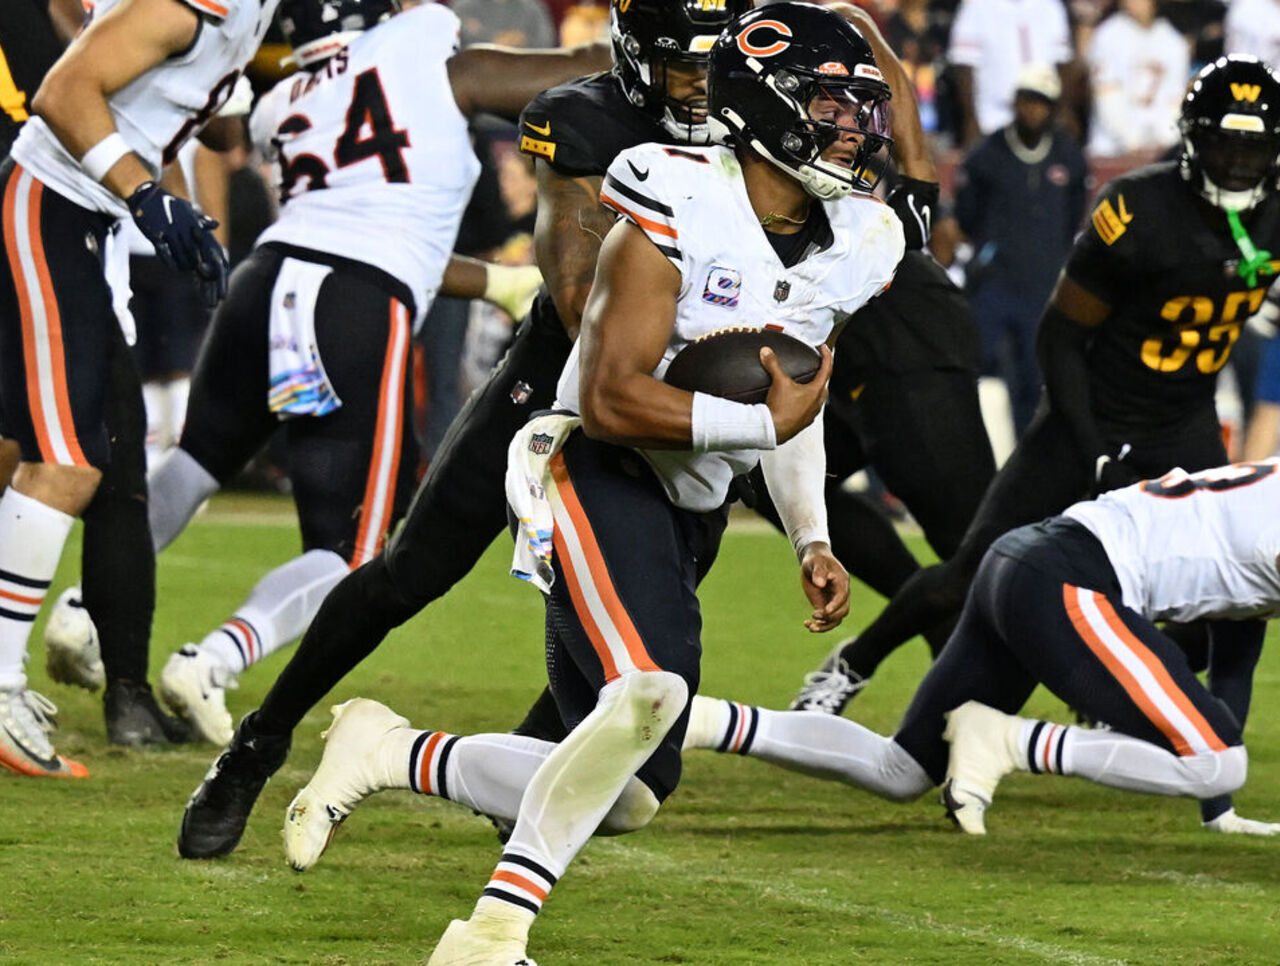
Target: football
727, 363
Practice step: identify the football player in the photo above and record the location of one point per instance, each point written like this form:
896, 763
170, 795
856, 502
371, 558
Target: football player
1071, 603
620, 491
315, 331
655, 93
1143, 317
109, 114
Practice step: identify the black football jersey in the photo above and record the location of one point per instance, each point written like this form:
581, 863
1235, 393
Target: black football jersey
580, 127
922, 321
1164, 260
28, 48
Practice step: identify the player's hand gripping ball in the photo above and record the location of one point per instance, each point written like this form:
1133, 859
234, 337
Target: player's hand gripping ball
727, 363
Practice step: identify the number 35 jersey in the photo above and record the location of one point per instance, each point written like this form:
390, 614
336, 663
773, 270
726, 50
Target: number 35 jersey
1188, 546
372, 157
1165, 261
158, 111
692, 204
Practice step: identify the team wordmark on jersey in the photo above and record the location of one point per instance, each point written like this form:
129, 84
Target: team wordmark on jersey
723, 287
1109, 223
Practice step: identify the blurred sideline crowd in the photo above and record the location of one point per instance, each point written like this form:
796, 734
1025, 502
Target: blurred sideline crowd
1029, 105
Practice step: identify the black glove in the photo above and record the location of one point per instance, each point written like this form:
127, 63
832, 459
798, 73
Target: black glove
182, 236
1112, 473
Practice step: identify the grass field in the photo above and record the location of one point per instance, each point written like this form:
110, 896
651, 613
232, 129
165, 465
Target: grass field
746, 864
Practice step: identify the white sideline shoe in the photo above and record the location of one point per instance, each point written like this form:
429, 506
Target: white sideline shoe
349, 771
469, 942
194, 685
984, 748
71, 652
26, 718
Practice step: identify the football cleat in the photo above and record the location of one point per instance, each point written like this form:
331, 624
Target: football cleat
350, 771
984, 748
71, 652
218, 811
831, 687
134, 718
194, 684
26, 718
480, 942
1229, 823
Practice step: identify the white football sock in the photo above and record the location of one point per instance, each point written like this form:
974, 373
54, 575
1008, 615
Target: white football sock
1122, 761
179, 392
810, 742
176, 488
579, 783
32, 535
279, 608
155, 399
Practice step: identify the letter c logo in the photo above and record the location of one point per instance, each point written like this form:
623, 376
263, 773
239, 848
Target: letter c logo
778, 46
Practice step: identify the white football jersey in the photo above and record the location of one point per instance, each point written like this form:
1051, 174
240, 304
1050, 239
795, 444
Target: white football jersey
372, 156
1194, 545
692, 204
1139, 76
160, 110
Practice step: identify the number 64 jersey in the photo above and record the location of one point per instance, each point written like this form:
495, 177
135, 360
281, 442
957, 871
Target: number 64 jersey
372, 157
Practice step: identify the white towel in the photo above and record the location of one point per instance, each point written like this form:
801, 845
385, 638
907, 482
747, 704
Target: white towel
532, 495
115, 269
297, 383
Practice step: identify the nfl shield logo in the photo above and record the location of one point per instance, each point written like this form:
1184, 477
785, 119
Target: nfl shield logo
540, 443
781, 291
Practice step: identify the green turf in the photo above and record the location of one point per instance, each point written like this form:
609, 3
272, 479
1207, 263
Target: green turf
745, 865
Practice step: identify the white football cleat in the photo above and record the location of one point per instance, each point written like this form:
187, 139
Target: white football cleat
351, 769
480, 942
1229, 823
71, 652
194, 685
26, 718
984, 748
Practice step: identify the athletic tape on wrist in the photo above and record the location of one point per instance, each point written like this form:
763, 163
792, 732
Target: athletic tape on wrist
102, 157
720, 424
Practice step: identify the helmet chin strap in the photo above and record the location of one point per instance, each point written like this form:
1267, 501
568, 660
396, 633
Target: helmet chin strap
1256, 261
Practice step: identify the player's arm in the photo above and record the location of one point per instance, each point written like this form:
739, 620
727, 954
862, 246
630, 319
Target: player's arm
124, 43
1066, 328
510, 287
571, 225
795, 474
502, 80
626, 327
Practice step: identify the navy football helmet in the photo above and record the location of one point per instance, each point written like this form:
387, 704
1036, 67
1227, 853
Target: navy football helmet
318, 29
649, 36
1230, 125
783, 79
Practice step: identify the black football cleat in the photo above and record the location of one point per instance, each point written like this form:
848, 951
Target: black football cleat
134, 719
219, 809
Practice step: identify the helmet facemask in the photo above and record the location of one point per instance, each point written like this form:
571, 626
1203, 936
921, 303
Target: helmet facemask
1237, 169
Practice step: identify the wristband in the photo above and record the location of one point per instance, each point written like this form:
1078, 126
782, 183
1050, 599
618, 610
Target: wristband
102, 157
720, 424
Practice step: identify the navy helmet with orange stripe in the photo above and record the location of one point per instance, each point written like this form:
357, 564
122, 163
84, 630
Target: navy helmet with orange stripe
1230, 125
318, 29
650, 37
797, 84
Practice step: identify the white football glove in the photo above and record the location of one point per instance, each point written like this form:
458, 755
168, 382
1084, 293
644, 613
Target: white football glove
1229, 823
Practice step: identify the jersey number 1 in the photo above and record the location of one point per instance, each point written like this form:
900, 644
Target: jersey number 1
383, 141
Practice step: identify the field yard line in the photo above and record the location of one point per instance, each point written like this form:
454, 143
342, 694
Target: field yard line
1200, 880
820, 898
